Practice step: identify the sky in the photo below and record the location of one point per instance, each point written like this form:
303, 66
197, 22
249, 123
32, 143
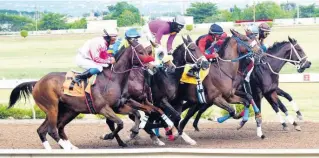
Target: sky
79, 7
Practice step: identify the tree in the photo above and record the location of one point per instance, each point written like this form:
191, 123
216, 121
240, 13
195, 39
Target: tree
223, 15
307, 11
268, 10
288, 6
248, 13
200, 11
189, 27
236, 14
78, 24
53, 21
14, 22
127, 18
24, 33
126, 14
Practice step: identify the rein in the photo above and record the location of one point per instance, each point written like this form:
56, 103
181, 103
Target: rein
248, 47
294, 62
194, 59
134, 54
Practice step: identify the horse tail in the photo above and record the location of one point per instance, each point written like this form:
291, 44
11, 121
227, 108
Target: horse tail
24, 89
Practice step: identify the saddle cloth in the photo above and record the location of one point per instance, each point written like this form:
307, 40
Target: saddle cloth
192, 80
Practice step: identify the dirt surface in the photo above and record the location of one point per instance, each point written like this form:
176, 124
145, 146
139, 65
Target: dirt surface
85, 135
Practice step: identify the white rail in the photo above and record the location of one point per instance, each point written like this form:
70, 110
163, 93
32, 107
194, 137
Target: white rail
164, 152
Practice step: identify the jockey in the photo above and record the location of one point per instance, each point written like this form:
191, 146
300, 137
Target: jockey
130, 34
95, 54
261, 32
161, 27
209, 44
264, 31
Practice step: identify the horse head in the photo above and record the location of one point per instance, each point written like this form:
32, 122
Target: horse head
299, 55
134, 55
188, 52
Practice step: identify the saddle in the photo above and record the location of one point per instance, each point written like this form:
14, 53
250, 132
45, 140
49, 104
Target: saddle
82, 90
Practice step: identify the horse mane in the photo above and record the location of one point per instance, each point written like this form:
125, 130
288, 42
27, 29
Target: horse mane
221, 51
177, 49
119, 53
276, 47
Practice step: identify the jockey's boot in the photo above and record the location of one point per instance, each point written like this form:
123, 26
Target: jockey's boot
192, 72
84, 75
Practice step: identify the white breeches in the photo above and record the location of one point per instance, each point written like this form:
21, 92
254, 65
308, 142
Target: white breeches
88, 64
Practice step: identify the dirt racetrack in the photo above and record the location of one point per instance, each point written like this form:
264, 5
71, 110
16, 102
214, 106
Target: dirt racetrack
85, 135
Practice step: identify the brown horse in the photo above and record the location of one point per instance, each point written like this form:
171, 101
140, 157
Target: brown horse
218, 84
108, 93
164, 85
139, 89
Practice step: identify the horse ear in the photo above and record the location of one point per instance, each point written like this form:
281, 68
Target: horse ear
233, 32
189, 38
153, 44
290, 40
185, 41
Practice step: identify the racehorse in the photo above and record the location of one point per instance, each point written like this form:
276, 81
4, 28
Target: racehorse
270, 89
266, 77
108, 94
222, 74
164, 86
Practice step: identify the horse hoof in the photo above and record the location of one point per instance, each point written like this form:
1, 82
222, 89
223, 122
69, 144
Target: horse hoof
285, 128
300, 117
123, 145
74, 147
241, 125
297, 128
158, 142
107, 137
196, 129
263, 137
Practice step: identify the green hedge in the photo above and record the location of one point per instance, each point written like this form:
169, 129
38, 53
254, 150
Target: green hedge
19, 113
210, 111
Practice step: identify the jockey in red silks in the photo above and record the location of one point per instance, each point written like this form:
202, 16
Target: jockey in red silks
209, 44
93, 55
160, 27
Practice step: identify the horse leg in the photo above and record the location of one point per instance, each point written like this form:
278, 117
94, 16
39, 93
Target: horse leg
65, 116
222, 103
245, 100
108, 112
111, 125
284, 94
291, 120
276, 109
182, 124
42, 132
199, 114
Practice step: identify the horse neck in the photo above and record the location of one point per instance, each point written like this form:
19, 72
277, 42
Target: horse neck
277, 64
231, 51
179, 71
166, 83
119, 73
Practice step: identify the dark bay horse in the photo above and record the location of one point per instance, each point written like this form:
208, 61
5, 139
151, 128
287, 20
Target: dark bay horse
139, 89
272, 95
107, 93
164, 84
222, 75
265, 79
